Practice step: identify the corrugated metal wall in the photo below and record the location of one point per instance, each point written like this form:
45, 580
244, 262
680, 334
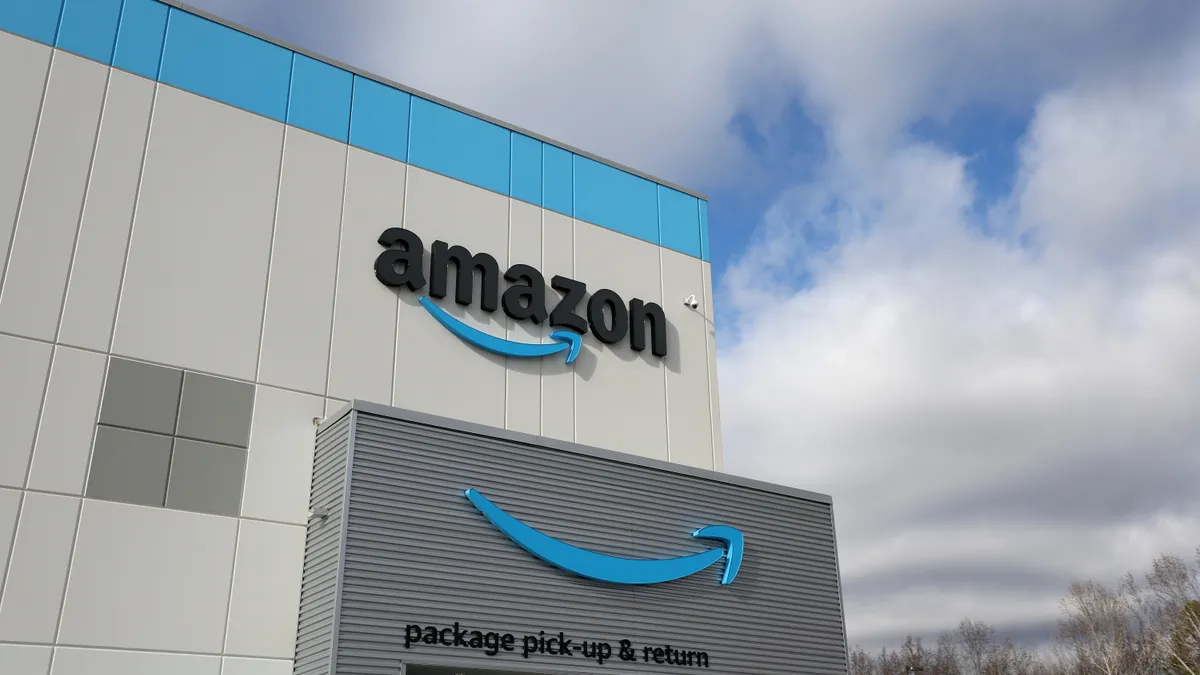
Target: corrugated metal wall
417, 552
322, 547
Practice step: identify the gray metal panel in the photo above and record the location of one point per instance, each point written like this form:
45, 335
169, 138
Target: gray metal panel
417, 552
322, 550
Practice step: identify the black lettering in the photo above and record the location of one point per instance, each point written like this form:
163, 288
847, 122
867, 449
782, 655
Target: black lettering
466, 264
528, 645
446, 637
605, 651
616, 308
507, 642
645, 653
528, 300
431, 635
492, 642
542, 642
460, 636
412, 633
640, 313
687, 658
564, 645
411, 255
476, 640
702, 659
669, 659
564, 312
658, 654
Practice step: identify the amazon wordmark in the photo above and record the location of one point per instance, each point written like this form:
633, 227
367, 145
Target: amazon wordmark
605, 313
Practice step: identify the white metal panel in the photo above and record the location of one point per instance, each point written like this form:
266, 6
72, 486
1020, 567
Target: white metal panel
686, 364
364, 312
99, 261
197, 273
71, 661
523, 396
279, 464
620, 394
26, 366
23, 68
36, 279
41, 556
435, 371
558, 377
64, 440
148, 578
266, 590
298, 321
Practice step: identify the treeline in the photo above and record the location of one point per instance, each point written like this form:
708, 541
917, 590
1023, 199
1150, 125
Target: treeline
1150, 627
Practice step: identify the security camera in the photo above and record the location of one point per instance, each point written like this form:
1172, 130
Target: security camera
691, 302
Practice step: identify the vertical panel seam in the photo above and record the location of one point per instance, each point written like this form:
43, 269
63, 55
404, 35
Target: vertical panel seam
137, 203
37, 130
337, 269
62, 11
262, 325
396, 307
112, 52
87, 191
237, 543
87, 476
62, 603
37, 429
662, 297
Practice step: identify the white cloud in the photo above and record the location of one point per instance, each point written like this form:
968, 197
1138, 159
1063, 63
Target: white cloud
975, 405
1000, 419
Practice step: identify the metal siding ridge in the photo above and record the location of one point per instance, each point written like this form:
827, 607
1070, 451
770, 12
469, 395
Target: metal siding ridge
425, 419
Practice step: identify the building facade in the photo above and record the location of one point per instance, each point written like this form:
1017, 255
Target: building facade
211, 242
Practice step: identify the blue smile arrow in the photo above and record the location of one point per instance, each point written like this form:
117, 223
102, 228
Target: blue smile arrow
563, 339
609, 568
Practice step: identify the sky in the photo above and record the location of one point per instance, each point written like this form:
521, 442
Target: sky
956, 250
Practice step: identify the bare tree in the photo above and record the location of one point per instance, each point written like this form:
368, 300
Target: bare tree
976, 638
861, 662
914, 653
945, 660
1104, 630
1173, 611
890, 662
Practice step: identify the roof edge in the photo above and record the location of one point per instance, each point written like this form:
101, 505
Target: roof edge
183, 6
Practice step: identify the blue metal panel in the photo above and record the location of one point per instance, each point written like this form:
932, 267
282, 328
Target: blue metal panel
89, 28
218, 62
457, 145
558, 182
526, 169
140, 37
678, 221
34, 19
617, 200
320, 98
379, 119
704, 253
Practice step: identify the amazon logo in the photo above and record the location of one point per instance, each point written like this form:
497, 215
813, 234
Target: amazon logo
605, 313
612, 569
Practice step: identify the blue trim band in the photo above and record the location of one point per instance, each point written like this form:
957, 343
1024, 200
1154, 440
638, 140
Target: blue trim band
612, 569
204, 57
